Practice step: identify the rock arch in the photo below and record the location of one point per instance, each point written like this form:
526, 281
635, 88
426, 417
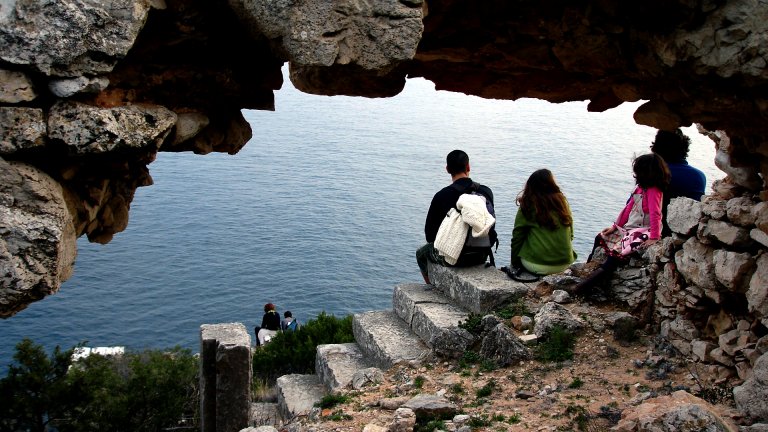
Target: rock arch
91, 90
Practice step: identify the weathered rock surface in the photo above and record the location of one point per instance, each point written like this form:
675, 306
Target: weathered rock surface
679, 411
503, 347
683, 215
433, 317
80, 38
478, 289
225, 377
130, 128
337, 364
37, 238
431, 406
553, 314
21, 129
298, 394
387, 340
751, 396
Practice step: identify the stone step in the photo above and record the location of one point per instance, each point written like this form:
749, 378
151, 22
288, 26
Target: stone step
386, 339
336, 364
297, 394
478, 289
264, 414
433, 317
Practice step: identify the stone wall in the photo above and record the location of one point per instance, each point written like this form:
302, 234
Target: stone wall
711, 278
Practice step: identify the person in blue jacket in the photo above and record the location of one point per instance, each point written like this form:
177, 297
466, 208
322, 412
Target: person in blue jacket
686, 181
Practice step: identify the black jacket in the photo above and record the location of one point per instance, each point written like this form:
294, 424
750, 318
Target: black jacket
444, 200
271, 321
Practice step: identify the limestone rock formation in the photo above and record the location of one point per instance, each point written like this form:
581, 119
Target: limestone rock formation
38, 239
679, 411
74, 75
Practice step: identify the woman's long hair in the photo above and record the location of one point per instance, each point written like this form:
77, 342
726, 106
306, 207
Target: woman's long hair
542, 201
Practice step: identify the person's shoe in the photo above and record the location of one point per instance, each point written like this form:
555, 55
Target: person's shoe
586, 285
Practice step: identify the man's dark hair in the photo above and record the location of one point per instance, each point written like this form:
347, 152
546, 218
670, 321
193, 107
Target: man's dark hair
288, 314
672, 146
456, 162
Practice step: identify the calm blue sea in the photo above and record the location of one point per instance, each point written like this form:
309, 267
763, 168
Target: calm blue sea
323, 211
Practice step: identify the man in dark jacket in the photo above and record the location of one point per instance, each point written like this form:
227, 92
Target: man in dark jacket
457, 165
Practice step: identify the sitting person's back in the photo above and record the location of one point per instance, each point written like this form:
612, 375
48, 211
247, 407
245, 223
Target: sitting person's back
289, 323
457, 165
270, 324
541, 239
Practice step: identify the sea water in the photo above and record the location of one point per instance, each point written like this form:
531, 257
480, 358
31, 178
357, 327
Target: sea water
324, 209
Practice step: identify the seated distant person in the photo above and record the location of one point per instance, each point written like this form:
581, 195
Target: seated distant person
270, 324
686, 181
457, 165
541, 239
289, 323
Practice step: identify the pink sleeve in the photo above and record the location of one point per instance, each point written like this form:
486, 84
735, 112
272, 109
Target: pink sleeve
652, 200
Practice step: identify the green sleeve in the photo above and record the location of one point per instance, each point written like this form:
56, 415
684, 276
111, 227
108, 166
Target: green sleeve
519, 234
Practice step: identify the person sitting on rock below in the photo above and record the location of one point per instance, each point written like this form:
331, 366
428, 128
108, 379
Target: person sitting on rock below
270, 324
457, 165
643, 209
541, 239
686, 181
289, 323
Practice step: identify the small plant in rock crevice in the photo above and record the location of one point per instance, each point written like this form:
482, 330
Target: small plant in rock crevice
473, 324
418, 382
486, 390
331, 400
558, 346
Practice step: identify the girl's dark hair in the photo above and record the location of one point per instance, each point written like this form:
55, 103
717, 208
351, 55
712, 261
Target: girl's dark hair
651, 171
542, 201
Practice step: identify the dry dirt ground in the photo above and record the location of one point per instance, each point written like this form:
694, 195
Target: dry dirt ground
586, 393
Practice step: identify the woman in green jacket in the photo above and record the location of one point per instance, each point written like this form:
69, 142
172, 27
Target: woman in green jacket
541, 240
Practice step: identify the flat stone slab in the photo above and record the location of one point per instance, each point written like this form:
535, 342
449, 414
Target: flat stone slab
298, 394
386, 339
336, 364
433, 317
478, 289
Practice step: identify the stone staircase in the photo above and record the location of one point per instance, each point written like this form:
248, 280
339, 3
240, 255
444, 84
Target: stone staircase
423, 322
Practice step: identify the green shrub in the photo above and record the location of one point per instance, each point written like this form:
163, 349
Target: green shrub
516, 307
558, 346
331, 400
468, 358
338, 416
294, 352
418, 382
488, 365
473, 324
478, 422
145, 391
486, 390
514, 418
429, 426
576, 383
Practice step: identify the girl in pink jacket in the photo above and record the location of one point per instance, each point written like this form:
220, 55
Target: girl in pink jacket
643, 209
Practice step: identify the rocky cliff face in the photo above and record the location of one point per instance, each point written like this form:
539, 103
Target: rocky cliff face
91, 90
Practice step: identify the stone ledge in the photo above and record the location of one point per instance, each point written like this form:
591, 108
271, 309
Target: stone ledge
336, 364
478, 289
433, 318
386, 339
297, 394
